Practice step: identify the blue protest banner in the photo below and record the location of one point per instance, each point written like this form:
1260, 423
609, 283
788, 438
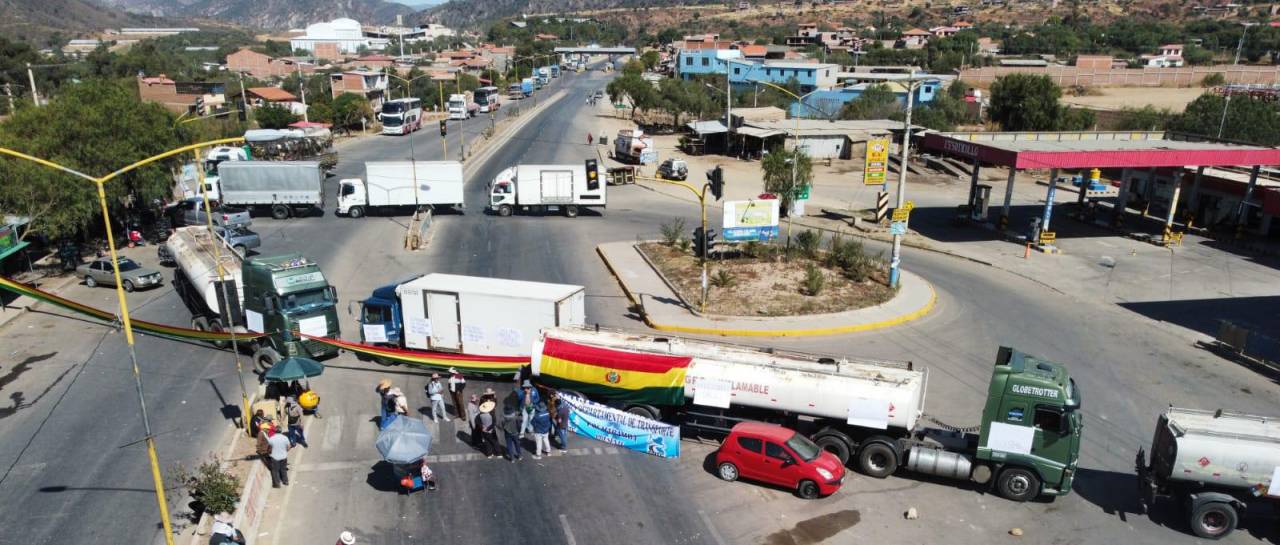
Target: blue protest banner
609, 425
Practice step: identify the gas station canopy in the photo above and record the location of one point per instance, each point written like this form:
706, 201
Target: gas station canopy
1079, 150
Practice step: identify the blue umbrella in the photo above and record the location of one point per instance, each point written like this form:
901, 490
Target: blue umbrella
293, 368
404, 441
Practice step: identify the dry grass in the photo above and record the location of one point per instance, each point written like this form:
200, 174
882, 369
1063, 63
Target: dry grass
765, 288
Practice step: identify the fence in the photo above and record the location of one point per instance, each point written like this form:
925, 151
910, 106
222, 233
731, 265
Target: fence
1187, 76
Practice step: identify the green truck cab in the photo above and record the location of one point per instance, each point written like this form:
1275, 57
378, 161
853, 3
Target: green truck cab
1031, 425
288, 298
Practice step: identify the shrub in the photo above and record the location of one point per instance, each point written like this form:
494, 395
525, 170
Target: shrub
723, 279
813, 280
217, 490
1213, 80
842, 253
685, 244
807, 242
672, 230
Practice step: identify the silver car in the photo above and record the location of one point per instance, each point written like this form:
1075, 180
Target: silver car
132, 275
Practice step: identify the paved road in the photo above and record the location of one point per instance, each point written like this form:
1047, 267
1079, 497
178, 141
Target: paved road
1127, 366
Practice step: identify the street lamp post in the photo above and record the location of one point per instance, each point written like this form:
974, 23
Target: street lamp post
895, 259
795, 139
1227, 102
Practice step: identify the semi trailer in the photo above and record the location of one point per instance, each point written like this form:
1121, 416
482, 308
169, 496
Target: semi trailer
868, 413
282, 188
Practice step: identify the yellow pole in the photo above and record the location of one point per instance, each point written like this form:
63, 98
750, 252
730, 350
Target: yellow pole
229, 320
137, 374
444, 140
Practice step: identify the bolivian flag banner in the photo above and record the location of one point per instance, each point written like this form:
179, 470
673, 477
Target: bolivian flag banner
616, 374
466, 363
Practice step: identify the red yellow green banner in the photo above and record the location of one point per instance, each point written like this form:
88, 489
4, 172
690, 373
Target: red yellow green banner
110, 317
466, 363
617, 374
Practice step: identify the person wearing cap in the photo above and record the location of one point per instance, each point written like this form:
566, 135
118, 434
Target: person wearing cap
435, 392
223, 532
488, 429
457, 383
511, 432
473, 410
345, 538
541, 424
528, 398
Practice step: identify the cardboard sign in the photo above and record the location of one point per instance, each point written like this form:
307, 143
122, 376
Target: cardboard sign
1047, 237
253, 320
315, 326
713, 393
1274, 489
374, 333
869, 413
420, 326
1010, 438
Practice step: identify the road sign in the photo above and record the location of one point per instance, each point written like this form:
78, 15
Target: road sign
901, 214
877, 162
909, 205
898, 228
1048, 237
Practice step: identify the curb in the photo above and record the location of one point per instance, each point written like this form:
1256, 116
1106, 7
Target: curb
727, 332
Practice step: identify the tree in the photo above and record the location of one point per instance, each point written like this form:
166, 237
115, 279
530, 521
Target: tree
876, 102
784, 179
1248, 119
1026, 102
93, 127
633, 67
947, 110
636, 90
351, 110
680, 97
320, 112
650, 59
274, 116
1146, 118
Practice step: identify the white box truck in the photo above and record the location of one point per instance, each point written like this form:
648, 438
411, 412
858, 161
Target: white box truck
540, 188
462, 106
284, 188
389, 185
469, 314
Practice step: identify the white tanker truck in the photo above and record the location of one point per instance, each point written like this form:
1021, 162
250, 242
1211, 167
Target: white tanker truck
1219, 465
865, 412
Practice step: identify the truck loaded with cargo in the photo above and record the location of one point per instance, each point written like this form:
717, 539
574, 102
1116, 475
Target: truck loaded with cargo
462, 106
473, 315
1216, 465
390, 185
543, 188
868, 413
631, 144
283, 296
281, 188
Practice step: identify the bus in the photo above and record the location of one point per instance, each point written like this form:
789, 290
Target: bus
487, 98
401, 116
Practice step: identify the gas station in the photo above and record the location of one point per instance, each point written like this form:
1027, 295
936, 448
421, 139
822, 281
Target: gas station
1230, 185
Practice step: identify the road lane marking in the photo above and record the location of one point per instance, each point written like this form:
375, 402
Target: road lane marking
333, 432
367, 430
715, 534
568, 534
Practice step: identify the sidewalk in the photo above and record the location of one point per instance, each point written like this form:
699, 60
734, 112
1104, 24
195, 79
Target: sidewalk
664, 310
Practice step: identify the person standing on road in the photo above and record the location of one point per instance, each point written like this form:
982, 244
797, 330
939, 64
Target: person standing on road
562, 424
473, 410
541, 431
457, 383
383, 389
511, 432
435, 392
528, 398
488, 429
293, 412
279, 458
345, 538
588, 139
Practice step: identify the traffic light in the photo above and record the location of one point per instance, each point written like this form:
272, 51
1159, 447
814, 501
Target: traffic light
444, 128
715, 179
699, 242
593, 175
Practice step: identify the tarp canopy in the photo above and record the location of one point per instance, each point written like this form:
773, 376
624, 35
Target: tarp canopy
707, 127
757, 132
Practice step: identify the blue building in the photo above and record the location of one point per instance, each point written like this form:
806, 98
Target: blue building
744, 73
827, 103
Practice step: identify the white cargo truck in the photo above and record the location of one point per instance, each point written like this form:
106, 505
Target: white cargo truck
541, 188
469, 314
283, 188
390, 185
462, 106
1217, 465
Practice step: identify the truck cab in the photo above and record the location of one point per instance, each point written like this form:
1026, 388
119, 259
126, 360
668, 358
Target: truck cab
289, 298
381, 316
351, 193
1030, 433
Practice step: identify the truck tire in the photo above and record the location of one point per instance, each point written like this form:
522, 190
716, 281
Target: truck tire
727, 472
280, 211
877, 459
215, 325
200, 323
571, 211
504, 210
836, 443
356, 212
1214, 520
265, 357
807, 489
645, 411
1018, 484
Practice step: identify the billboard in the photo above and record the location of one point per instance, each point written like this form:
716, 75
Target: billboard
873, 172
746, 221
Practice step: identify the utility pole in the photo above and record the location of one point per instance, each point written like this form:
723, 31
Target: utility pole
302, 90
8, 90
895, 260
35, 96
244, 98
1227, 102
444, 140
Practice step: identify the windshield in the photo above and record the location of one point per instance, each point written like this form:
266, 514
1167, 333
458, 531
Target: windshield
304, 299
393, 107
455, 103
392, 121
803, 447
128, 265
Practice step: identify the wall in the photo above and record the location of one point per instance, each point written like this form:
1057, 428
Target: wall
1187, 76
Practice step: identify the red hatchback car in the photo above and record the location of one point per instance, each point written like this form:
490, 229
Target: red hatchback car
777, 455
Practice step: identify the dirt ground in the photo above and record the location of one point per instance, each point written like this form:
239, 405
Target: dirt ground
1115, 98
763, 287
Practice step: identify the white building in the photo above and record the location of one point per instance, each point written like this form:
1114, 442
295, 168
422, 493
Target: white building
411, 35
346, 34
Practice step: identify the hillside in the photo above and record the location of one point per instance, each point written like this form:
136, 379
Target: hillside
269, 14
474, 13
38, 21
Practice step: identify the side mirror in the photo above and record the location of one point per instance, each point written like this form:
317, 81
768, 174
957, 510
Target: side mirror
333, 292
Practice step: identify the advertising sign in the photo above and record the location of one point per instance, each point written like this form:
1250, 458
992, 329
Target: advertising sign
621, 428
877, 163
750, 220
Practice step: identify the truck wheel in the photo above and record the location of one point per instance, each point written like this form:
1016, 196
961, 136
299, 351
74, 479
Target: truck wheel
1214, 520
200, 323
877, 460
571, 211
215, 325
837, 444
643, 410
504, 210
89, 281
265, 357
807, 490
356, 212
280, 212
1018, 484
728, 472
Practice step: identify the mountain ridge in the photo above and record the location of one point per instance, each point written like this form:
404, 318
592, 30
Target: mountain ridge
270, 14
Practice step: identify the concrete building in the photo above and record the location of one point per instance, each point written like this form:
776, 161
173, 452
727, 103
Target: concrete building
262, 66
826, 103
76, 48
410, 35
366, 83
1170, 55
157, 31
196, 98
345, 34
915, 38
809, 75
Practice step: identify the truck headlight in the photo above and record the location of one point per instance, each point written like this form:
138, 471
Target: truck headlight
825, 474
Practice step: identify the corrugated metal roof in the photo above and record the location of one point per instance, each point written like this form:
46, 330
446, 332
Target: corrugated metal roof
707, 127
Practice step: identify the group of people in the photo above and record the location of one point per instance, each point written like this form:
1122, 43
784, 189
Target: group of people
532, 415
276, 434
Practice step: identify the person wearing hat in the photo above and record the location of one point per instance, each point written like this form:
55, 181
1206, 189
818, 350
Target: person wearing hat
457, 383
223, 532
541, 424
263, 448
528, 398
383, 389
488, 429
511, 432
435, 392
345, 538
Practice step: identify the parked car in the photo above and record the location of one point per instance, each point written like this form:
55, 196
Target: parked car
132, 275
673, 169
240, 238
776, 455
190, 211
